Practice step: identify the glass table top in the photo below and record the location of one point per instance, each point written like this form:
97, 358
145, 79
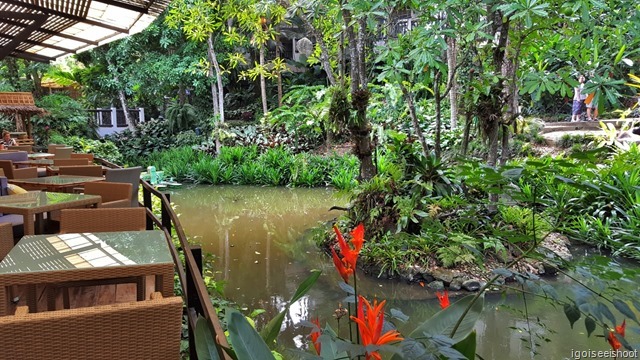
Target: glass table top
58, 180
40, 155
41, 198
86, 250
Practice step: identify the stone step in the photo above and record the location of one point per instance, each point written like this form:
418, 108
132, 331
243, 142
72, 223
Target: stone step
584, 125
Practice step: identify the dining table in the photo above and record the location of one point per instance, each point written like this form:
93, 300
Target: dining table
48, 261
55, 183
36, 156
33, 204
33, 162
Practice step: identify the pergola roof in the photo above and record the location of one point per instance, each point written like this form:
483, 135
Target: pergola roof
43, 30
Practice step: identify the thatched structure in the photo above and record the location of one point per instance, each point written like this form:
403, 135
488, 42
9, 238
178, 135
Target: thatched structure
22, 106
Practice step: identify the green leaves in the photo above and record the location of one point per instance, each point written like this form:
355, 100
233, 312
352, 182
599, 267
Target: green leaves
247, 343
205, 341
443, 322
572, 312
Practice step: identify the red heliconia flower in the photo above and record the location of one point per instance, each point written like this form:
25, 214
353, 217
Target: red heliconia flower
370, 326
346, 264
443, 298
315, 334
613, 340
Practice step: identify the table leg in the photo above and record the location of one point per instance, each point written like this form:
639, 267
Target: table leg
141, 288
40, 223
27, 223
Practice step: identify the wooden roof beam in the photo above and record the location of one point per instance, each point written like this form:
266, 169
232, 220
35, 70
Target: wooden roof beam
131, 7
23, 35
66, 16
50, 32
38, 43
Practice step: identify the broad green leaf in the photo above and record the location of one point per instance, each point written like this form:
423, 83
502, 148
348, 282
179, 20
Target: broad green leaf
306, 285
205, 341
590, 324
624, 309
246, 341
619, 55
467, 347
572, 313
442, 322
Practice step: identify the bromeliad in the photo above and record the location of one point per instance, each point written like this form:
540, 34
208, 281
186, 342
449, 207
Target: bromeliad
346, 264
370, 326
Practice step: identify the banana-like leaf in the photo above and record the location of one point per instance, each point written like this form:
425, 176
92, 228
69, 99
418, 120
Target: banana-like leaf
467, 347
247, 343
442, 322
205, 342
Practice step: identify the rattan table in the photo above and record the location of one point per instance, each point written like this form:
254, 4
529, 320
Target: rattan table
87, 257
38, 202
54, 183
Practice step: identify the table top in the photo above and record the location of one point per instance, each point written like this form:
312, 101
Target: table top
40, 155
57, 180
35, 199
39, 253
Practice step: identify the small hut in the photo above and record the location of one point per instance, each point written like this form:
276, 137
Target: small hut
22, 106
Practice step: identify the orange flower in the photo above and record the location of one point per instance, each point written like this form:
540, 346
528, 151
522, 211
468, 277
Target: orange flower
346, 264
370, 326
315, 334
613, 339
443, 298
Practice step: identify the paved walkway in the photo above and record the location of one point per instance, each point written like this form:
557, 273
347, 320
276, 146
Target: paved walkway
554, 131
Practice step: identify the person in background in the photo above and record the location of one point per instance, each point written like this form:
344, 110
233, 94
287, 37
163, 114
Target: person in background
578, 100
592, 107
7, 140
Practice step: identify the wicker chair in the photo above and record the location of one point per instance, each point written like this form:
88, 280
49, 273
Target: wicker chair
128, 175
11, 173
114, 195
27, 148
84, 170
102, 220
51, 147
89, 157
70, 162
62, 152
6, 239
149, 329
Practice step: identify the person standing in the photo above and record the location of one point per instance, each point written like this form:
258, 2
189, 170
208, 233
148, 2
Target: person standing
578, 100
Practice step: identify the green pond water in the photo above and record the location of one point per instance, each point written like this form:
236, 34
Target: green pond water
260, 238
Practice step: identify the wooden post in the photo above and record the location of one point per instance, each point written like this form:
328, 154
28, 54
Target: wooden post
193, 301
164, 213
146, 200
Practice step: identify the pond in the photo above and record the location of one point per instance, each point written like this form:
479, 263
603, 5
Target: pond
263, 250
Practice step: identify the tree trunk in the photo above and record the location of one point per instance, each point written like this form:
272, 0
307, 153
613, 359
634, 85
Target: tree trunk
263, 83
279, 79
452, 52
436, 89
466, 133
504, 153
121, 96
217, 90
360, 129
324, 53
414, 120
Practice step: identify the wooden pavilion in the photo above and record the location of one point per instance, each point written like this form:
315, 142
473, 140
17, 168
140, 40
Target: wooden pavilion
21, 106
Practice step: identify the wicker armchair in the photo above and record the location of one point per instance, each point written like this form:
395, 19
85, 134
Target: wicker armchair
114, 195
11, 173
62, 152
103, 220
70, 162
6, 239
89, 157
149, 329
84, 170
128, 175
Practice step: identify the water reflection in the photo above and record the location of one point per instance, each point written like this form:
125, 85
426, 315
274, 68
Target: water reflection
258, 237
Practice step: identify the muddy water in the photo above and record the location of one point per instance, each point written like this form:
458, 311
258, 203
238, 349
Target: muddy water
263, 250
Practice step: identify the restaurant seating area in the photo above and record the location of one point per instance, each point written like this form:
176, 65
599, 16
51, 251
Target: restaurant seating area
84, 276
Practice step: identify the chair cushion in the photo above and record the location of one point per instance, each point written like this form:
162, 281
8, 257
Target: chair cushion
15, 189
